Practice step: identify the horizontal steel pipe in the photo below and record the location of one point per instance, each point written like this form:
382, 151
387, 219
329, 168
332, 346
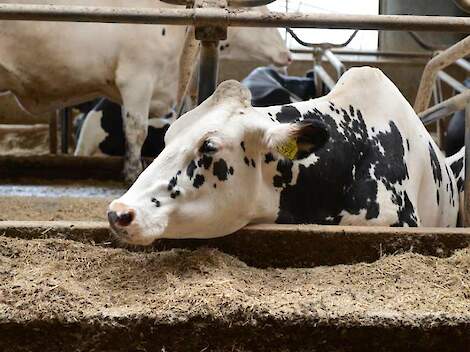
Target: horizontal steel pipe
236, 18
447, 107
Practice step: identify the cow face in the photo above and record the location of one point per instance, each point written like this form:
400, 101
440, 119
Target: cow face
263, 44
214, 175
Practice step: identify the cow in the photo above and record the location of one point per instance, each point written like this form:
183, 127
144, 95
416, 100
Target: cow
99, 134
102, 134
357, 156
49, 65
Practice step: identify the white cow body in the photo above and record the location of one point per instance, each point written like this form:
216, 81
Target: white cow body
48, 65
357, 156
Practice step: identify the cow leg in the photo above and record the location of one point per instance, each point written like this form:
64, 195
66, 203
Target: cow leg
135, 110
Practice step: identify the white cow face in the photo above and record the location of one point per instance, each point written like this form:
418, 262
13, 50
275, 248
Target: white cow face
262, 44
211, 179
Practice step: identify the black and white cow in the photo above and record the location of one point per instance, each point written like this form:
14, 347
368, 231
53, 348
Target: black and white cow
102, 132
357, 156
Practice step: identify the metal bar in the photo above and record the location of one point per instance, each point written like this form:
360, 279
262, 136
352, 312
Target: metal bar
439, 62
451, 81
53, 133
335, 62
466, 215
64, 129
464, 64
208, 69
447, 107
239, 18
368, 53
324, 76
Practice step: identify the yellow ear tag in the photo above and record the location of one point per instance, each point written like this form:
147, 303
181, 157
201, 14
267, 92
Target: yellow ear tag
288, 149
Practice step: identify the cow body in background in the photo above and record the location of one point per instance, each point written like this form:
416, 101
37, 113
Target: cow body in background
357, 156
102, 133
49, 65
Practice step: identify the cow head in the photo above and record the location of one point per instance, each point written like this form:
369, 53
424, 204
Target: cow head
216, 173
261, 44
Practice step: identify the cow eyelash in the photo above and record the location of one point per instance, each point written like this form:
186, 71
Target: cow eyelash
208, 147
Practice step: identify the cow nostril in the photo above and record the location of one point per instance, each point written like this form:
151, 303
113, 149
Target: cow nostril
125, 219
112, 217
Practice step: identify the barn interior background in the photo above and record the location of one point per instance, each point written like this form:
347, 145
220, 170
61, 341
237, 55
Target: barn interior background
66, 283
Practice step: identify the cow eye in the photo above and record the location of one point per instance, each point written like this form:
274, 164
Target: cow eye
208, 147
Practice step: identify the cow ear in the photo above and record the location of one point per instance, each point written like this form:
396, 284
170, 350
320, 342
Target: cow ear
299, 139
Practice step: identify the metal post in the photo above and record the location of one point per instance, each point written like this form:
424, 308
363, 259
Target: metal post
208, 69
65, 130
466, 207
53, 133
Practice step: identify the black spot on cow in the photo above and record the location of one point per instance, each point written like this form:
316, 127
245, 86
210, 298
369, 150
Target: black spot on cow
221, 48
205, 161
163, 31
253, 163
175, 194
288, 113
215, 186
270, 114
220, 170
178, 172
231, 170
242, 144
247, 162
340, 180
284, 167
457, 166
351, 110
451, 185
172, 183
198, 181
436, 167
268, 158
408, 144
190, 169
115, 141
156, 202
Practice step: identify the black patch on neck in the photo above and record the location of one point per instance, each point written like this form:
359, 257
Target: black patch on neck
288, 113
205, 161
198, 181
221, 170
163, 31
190, 169
268, 158
156, 202
340, 179
242, 144
247, 162
253, 163
172, 183
457, 166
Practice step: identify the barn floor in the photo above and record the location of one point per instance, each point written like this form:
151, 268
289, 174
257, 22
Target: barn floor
56, 293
